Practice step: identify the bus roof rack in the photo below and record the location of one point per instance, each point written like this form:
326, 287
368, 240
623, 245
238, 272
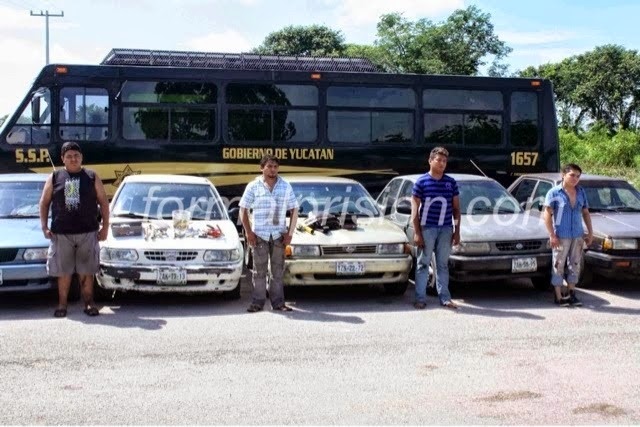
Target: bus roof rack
235, 61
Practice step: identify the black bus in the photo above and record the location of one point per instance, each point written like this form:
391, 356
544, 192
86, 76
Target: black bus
215, 115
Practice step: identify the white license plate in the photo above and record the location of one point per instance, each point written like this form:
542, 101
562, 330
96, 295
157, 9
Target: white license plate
172, 276
523, 265
350, 267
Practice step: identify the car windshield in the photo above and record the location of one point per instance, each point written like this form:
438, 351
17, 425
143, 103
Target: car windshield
618, 196
485, 197
334, 198
159, 200
20, 199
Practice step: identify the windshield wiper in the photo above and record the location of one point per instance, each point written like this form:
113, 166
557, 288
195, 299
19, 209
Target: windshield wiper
20, 216
131, 215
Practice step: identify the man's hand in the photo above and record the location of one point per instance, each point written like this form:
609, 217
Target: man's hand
251, 238
102, 234
286, 239
455, 239
555, 242
588, 239
47, 233
418, 240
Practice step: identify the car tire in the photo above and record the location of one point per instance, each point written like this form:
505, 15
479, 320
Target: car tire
396, 289
233, 294
541, 283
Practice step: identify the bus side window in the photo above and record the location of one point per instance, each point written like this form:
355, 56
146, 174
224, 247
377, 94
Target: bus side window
33, 127
84, 114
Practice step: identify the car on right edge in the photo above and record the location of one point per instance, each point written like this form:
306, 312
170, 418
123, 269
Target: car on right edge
614, 205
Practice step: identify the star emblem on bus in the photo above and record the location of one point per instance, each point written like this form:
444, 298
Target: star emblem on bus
120, 175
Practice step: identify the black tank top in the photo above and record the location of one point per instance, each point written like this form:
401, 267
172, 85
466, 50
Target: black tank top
74, 208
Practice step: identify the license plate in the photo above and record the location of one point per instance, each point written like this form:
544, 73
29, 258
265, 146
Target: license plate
523, 265
348, 268
173, 276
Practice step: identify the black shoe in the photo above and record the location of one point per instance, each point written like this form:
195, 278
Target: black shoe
574, 301
562, 302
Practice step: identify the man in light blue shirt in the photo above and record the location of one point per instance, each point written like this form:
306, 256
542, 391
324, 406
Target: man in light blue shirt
566, 206
269, 197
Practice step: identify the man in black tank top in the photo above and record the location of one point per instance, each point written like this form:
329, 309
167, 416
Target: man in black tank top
73, 194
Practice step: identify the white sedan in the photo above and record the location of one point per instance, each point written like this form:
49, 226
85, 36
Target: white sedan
343, 239
170, 233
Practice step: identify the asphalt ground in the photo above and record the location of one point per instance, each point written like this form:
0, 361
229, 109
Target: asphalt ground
343, 356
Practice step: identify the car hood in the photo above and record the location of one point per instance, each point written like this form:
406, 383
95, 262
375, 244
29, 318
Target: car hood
484, 228
368, 231
228, 240
22, 232
614, 224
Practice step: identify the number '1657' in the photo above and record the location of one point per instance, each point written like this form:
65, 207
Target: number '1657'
524, 158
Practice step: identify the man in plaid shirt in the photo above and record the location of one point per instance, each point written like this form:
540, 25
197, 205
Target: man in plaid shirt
269, 197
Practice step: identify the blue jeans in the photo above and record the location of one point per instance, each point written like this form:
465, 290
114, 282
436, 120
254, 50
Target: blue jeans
438, 239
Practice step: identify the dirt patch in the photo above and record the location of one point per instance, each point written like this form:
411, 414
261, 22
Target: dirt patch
604, 409
426, 369
510, 396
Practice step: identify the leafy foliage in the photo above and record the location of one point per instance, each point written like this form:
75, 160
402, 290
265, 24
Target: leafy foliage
459, 45
312, 40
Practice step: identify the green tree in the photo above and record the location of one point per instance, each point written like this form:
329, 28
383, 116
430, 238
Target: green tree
373, 53
312, 40
461, 44
601, 86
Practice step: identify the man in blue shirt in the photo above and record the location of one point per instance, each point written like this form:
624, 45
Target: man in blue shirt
435, 208
270, 197
566, 206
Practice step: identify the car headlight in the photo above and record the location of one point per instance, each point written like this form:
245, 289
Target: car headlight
221, 255
305, 250
391, 249
35, 254
618, 244
109, 254
471, 248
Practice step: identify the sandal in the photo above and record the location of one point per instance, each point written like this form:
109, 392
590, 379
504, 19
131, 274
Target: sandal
91, 311
254, 308
283, 307
60, 312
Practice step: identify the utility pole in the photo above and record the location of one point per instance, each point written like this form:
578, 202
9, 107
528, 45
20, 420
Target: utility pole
46, 15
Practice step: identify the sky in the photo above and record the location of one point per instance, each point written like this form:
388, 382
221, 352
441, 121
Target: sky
538, 32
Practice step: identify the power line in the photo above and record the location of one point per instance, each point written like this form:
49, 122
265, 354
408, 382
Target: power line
46, 15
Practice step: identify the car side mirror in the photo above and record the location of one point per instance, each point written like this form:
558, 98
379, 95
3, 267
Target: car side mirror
404, 207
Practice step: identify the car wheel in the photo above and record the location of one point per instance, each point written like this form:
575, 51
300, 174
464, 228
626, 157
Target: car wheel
541, 283
395, 289
233, 294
